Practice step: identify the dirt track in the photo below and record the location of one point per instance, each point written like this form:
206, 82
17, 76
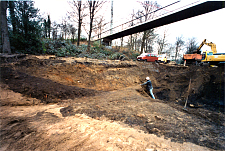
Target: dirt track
49, 102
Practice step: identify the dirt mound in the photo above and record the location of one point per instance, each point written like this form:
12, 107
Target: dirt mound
40, 88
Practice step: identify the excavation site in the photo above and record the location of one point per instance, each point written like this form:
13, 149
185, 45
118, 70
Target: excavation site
68, 103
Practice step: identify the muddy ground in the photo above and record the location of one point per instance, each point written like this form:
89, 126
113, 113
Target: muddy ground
50, 103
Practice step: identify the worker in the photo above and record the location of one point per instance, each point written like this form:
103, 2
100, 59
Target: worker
164, 60
149, 86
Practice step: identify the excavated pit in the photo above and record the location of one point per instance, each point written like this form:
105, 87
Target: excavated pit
110, 90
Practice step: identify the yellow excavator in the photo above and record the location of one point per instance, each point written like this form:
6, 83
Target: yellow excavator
211, 57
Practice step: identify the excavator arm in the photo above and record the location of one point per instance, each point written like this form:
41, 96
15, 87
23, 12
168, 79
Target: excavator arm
212, 45
198, 49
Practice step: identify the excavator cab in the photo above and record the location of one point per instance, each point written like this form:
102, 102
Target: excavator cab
206, 54
203, 56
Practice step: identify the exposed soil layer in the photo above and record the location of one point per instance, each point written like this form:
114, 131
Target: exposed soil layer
110, 91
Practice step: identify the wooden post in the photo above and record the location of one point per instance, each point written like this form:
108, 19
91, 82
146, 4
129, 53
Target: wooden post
185, 106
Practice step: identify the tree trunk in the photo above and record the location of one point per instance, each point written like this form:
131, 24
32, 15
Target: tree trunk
25, 20
79, 31
132, 42
79, 22
45, 30
146, 45
135, 43
143, 42
176, 54
92, 11
90, 31
4, 28
49, 26
13, 17
121, 45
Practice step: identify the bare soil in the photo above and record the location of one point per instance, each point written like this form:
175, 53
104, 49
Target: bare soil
53, 103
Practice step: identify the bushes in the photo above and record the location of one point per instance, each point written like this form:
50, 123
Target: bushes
134, 55
64, 48
60, 48
115, 56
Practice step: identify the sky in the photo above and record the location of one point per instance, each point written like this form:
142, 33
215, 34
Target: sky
208, 26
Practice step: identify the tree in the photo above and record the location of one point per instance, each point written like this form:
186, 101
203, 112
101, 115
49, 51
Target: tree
64, 28
150, 36
191, 45
4, 29
25, 34
131, 39
136, 38
45, 28
148, 13
78, 13
72, 31
170, 50
94, 7
162, 42
55, 30
178, 45
49, 26
99, 26
13, 18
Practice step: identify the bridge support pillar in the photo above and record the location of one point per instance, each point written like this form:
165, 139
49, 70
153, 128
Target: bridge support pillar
107, 42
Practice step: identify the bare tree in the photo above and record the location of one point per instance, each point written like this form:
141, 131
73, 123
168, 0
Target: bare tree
191, 45
79, 14
94, 7
178, 45
162, 42
72, 31
137, 40
150, 37
99, 25
132, 38
170, 50
64, 28
55, 30
4, 28
148, 13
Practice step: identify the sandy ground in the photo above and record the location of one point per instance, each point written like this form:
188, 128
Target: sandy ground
50, 103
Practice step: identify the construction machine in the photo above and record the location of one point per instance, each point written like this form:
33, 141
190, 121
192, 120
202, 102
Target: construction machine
204, 42
211, 57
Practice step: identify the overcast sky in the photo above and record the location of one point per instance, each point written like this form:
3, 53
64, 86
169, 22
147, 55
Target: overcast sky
208, 26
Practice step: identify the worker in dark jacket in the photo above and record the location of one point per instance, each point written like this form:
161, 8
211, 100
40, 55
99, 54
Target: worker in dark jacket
149, 86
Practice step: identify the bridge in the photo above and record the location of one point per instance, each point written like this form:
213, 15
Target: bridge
194, 10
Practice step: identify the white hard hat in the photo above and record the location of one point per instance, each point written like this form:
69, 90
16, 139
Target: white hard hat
147, 78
